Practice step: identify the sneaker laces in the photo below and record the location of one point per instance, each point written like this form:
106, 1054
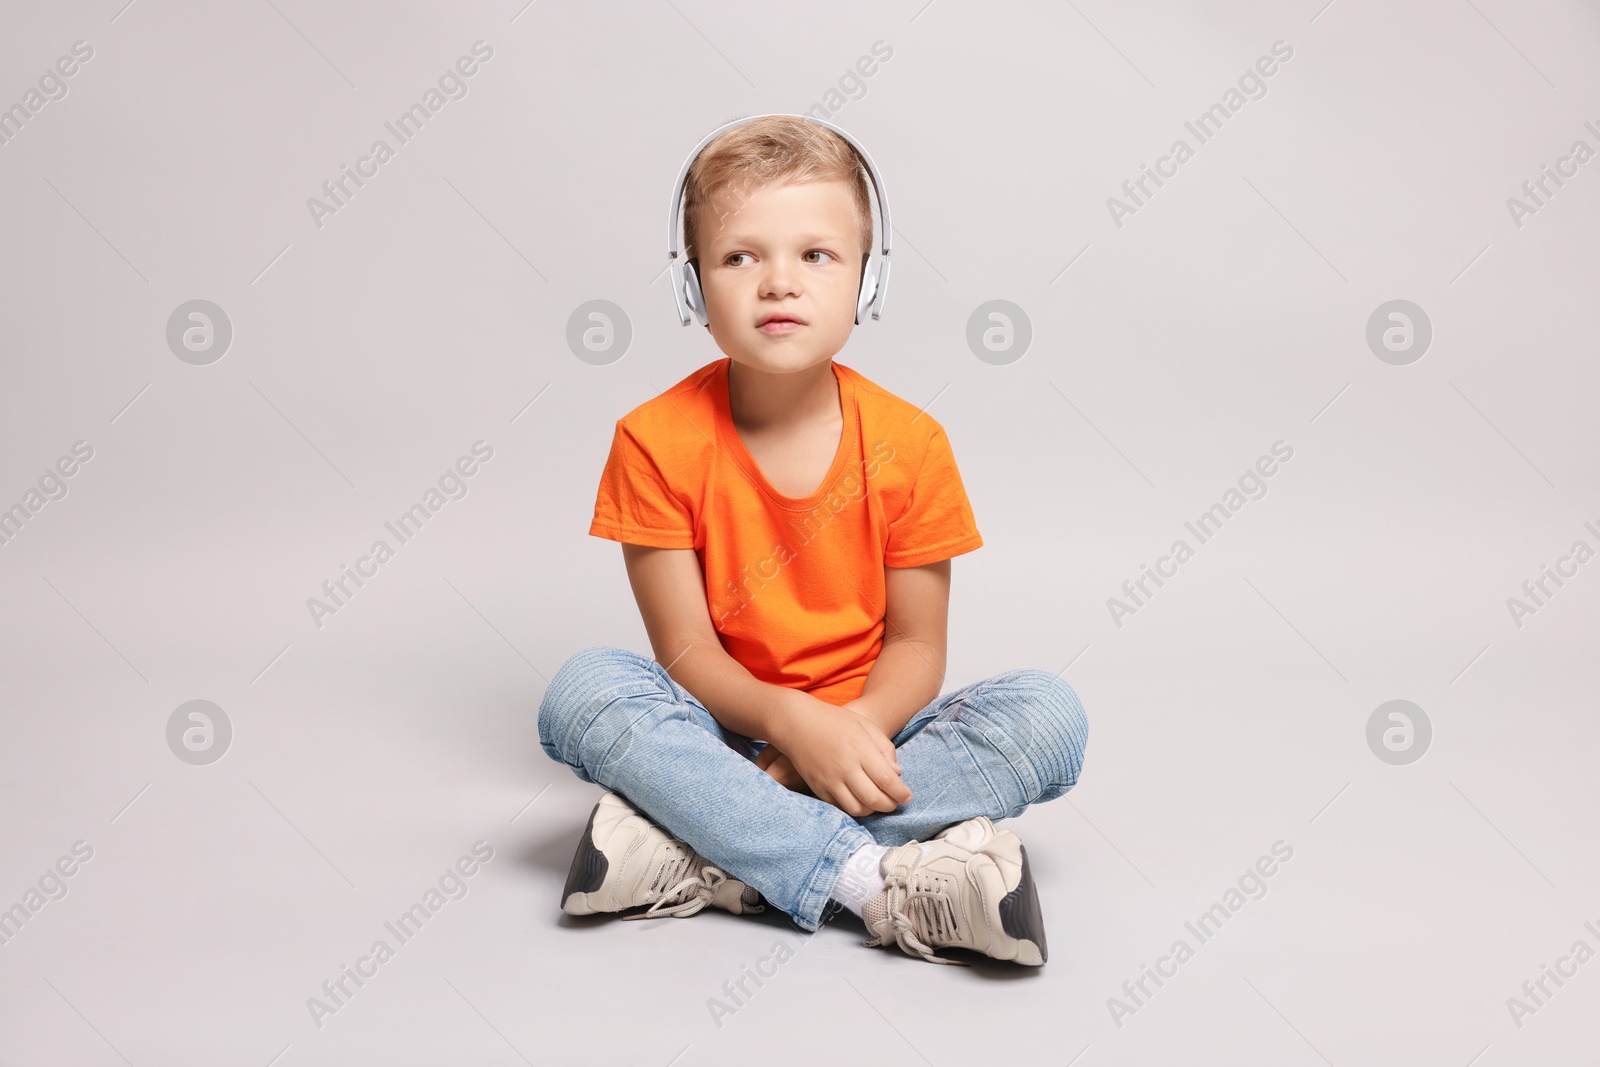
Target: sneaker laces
686, 884
919, 911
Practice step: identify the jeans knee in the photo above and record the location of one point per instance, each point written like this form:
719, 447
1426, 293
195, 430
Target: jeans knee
1052, 722
578, 693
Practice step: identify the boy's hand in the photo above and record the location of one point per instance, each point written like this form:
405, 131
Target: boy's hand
844, 758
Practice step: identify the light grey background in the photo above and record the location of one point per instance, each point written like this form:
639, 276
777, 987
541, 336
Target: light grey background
1168, 354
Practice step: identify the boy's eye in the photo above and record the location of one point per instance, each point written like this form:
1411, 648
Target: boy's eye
735, 255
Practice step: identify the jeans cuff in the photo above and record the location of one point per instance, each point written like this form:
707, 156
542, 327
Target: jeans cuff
814, 898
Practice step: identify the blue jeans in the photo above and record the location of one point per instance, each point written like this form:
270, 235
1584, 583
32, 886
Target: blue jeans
616, 718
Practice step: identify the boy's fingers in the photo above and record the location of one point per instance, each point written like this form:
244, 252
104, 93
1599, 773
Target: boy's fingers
849, 798
839, 799
867, 788
895, 788
888, 767
892, 754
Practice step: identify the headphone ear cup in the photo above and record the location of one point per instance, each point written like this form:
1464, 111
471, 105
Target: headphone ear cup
869, 289
691, 291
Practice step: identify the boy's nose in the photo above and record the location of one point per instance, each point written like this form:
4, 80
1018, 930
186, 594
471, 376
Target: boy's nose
779, 280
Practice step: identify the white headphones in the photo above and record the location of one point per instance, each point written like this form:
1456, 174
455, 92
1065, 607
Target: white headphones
685, 275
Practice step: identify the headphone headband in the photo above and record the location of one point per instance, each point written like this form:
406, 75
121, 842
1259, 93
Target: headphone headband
685, 282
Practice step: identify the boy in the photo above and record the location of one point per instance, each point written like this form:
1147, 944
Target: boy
787, 526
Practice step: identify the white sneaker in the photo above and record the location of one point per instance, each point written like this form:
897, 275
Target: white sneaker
626, 861
969, 887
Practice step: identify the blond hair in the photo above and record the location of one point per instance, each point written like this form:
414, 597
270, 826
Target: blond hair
772, 149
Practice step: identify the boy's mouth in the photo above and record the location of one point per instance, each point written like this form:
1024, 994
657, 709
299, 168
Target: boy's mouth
779, 322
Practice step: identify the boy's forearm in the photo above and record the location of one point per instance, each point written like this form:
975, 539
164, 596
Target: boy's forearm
735, 698
906, 676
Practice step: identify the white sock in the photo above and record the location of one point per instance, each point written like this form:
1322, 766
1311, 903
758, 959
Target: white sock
860, 877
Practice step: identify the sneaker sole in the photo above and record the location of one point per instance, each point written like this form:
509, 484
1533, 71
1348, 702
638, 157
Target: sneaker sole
588, 873
1021, 919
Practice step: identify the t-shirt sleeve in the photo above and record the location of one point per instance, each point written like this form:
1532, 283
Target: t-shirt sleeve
937, 522
634, 504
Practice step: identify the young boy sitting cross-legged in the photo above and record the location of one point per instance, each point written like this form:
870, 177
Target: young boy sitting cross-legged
787, 526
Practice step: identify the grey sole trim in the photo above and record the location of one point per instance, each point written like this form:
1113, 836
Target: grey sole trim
1020, 917
589, 864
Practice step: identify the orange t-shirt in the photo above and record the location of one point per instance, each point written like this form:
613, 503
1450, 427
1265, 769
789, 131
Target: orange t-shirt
795, 586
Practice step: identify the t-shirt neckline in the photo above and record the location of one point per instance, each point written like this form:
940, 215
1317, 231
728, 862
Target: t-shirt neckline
729, 439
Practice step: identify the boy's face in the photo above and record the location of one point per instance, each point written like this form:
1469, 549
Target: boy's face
791, 250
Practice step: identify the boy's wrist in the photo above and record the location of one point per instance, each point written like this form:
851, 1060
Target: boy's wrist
865, 709
787, 706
